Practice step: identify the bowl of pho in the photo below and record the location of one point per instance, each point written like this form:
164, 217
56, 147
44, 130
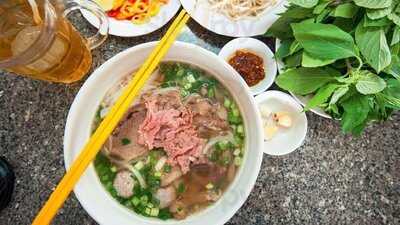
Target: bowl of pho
187, 151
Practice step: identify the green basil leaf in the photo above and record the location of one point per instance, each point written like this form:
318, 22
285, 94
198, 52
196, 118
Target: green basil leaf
284, 49
356, 109
310, 61
281, 28
324, 41
395, 18
320, 7
346, 10
373, 46
293, 60
344, 24
377, 23
298, 13
394, 67
305, 3
379, 13
305, 81
323, 15
295, 47
393, 88
390, 101
370, 83
396, 35
395, 49
340, 92
321, 96
373, 4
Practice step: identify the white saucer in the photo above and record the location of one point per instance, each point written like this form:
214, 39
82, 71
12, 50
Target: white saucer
125, 28
260, 49
287, 139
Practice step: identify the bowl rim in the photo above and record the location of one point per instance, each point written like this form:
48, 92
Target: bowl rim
246, 188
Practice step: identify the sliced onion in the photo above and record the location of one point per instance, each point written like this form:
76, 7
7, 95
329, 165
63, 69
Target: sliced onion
213, 141
137, 174
160, 163
163, 90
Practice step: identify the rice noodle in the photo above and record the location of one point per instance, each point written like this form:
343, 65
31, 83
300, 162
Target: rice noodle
237, 9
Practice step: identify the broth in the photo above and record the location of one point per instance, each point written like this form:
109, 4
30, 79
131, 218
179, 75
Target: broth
177, 149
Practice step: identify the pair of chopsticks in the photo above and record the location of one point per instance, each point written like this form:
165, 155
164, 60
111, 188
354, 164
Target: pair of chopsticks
106, 127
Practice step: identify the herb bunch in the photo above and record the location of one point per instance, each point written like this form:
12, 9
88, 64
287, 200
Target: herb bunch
346, 54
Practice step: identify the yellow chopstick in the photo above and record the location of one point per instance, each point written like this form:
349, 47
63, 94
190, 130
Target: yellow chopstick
92, 147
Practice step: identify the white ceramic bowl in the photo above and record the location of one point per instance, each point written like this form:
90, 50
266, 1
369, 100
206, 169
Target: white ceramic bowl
287, 139
260, 49
216, 22
125, 28
90, 192
303, 100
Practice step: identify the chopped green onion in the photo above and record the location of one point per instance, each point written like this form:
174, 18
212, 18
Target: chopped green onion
184, 93
181, 188
227, 103
147, 211
167, 168
135, 201
222, 145
157, 174
211, 93
104, 178
139, 165
180, 72
233, 106
236, 112
237, 160
209, 186
125, 141
233, 119
144, 199
191, 78
154, 212
237, 152
240, 129
128, 204
113, 169
187, 86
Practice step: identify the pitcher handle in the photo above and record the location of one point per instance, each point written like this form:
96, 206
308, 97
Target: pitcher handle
102, 33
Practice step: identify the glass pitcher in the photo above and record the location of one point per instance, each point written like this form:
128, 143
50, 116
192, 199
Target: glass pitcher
47, 47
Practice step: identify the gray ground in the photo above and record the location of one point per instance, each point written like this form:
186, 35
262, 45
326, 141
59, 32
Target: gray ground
332, 179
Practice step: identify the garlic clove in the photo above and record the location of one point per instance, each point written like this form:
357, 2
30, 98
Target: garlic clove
265, 112
283, 119
270, 131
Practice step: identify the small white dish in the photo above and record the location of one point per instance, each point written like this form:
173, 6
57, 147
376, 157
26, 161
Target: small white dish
201, 11
259, 48
125, 28
303, 100
286, 140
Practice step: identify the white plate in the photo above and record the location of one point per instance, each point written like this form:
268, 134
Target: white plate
260, 49
287, 139
216, 22
124, 28
90, 192
303, 100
